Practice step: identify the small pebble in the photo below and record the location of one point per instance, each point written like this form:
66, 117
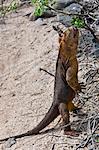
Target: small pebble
40, 21
10, 142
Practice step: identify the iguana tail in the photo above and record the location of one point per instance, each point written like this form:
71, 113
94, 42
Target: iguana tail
49, 117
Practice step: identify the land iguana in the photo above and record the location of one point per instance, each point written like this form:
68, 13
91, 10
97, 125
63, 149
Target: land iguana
66, 83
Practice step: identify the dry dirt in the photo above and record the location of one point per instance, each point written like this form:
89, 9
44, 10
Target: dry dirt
26, 92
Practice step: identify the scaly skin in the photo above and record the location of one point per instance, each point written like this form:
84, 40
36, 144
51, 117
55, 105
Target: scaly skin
66, 84
68, 49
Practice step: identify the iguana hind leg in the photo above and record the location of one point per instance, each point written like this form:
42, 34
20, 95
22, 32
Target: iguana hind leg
63, 109
65, 115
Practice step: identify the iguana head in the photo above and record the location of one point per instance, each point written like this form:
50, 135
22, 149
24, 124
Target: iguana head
69, 41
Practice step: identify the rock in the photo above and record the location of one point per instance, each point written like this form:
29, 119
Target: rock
66, 20
10, 142
40, 21
46, 14
95, 50
74, 8
61, 4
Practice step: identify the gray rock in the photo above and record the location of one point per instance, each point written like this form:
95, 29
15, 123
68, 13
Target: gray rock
10, 142
61, 4
66, 20
87, 39
95, 50
40, 22
74, 8
46, 14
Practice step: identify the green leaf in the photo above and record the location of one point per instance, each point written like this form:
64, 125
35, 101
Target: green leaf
13, 6
40, 6
38, 11
33, 1
44, 2
78, 22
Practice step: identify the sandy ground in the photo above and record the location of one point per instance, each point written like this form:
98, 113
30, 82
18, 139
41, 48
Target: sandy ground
25, 92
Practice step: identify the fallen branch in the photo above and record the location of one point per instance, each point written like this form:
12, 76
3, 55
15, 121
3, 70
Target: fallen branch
41, 69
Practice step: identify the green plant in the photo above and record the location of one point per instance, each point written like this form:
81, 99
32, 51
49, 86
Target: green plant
40, 6
78, 22
11, 7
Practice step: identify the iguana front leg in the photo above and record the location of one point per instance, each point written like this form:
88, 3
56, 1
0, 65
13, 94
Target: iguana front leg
72, 76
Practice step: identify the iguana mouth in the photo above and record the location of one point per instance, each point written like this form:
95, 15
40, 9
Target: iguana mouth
75, 29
